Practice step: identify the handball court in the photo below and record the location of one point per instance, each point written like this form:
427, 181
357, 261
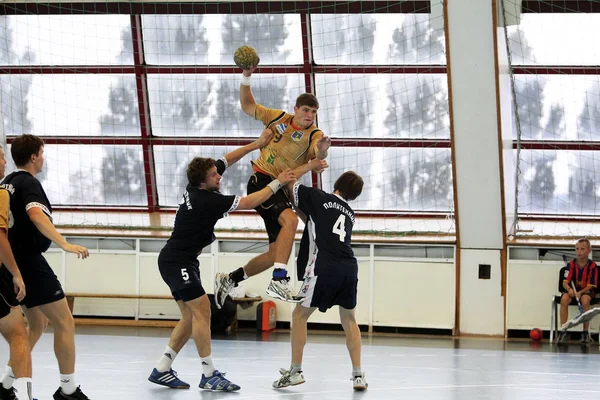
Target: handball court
114, 363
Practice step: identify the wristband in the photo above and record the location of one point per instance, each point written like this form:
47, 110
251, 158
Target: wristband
245, 80
274, 185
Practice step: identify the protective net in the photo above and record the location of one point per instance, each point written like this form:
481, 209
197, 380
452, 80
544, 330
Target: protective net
125, 94
556, 93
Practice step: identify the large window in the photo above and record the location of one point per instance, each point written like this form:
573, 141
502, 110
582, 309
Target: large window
557, 93
123, 116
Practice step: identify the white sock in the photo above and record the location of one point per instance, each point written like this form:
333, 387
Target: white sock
207, 365
165, 362
67, 383
280, 265
7, 378
22, 387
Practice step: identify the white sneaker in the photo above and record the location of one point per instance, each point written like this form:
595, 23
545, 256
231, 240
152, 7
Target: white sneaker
223, 285
281, 290
360, 383
288, 379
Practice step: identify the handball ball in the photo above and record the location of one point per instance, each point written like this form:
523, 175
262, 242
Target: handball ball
246, 57
535, 334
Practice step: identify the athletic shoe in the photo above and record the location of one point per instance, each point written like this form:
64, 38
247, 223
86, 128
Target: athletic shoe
586, 338
76, 395
280, 289
217, 382
7, 394
288, 379
360, 383
223, 285
168, 378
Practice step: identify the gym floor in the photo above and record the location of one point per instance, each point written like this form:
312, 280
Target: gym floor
114, 363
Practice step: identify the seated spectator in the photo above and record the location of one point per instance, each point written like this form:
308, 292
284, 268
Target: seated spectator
584, 274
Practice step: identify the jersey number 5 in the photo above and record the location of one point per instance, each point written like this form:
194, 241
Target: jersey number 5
184, 274
339, 228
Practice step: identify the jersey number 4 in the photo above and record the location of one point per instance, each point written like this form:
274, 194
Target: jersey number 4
339, 228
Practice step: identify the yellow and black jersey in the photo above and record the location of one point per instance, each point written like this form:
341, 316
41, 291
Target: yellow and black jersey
289, 147
4, 209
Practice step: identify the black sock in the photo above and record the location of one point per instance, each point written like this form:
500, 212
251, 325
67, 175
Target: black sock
238, 275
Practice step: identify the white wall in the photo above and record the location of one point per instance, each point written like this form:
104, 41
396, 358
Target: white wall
390, 293
390, 287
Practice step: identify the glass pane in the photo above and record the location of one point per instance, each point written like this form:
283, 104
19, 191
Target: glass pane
386, 39
395, 179
559, 182
558, 107
555, 39
70, 105
171, 163
383, 105
209, 105
212, 39
65, 40
92, 175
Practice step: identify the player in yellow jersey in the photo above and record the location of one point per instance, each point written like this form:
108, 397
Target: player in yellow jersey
296, 141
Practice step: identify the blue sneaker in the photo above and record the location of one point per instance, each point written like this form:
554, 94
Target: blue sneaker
168, 378
217, 382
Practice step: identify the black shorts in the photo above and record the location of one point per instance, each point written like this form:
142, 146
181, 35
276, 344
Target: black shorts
183, 278
326, 291
8, 299
41, 284
271, 209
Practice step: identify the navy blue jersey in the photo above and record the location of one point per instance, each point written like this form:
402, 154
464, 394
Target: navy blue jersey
26, 192
325, 248
196, 218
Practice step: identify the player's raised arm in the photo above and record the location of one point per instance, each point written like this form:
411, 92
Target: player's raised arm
255, 199
246, 97
314, 165
235, 155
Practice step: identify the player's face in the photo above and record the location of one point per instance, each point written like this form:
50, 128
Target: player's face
582, 250
38, 160
2, 164
304, 116
213, 180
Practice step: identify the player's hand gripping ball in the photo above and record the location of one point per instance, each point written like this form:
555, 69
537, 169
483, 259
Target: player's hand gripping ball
246, 57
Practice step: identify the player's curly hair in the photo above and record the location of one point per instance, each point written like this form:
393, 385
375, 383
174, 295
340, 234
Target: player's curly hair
307, 99
197, 170
349, 184
23, 147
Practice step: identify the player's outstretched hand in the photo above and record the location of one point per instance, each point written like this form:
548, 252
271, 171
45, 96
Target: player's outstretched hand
19, 287
286, 177
324, 143
265, 137
82, 252
318, 166
248, 72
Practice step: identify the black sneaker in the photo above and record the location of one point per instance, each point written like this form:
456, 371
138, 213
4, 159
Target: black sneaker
7, 394
586, 338
76, 395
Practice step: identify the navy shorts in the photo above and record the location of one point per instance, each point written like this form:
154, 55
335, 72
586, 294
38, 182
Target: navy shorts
271, 209
326, 291
183, 278
41, 283
8, 298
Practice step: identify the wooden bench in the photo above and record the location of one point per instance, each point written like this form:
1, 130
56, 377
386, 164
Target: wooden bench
144, 322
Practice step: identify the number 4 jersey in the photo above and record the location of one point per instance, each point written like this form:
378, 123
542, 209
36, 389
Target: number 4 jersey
325, 247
